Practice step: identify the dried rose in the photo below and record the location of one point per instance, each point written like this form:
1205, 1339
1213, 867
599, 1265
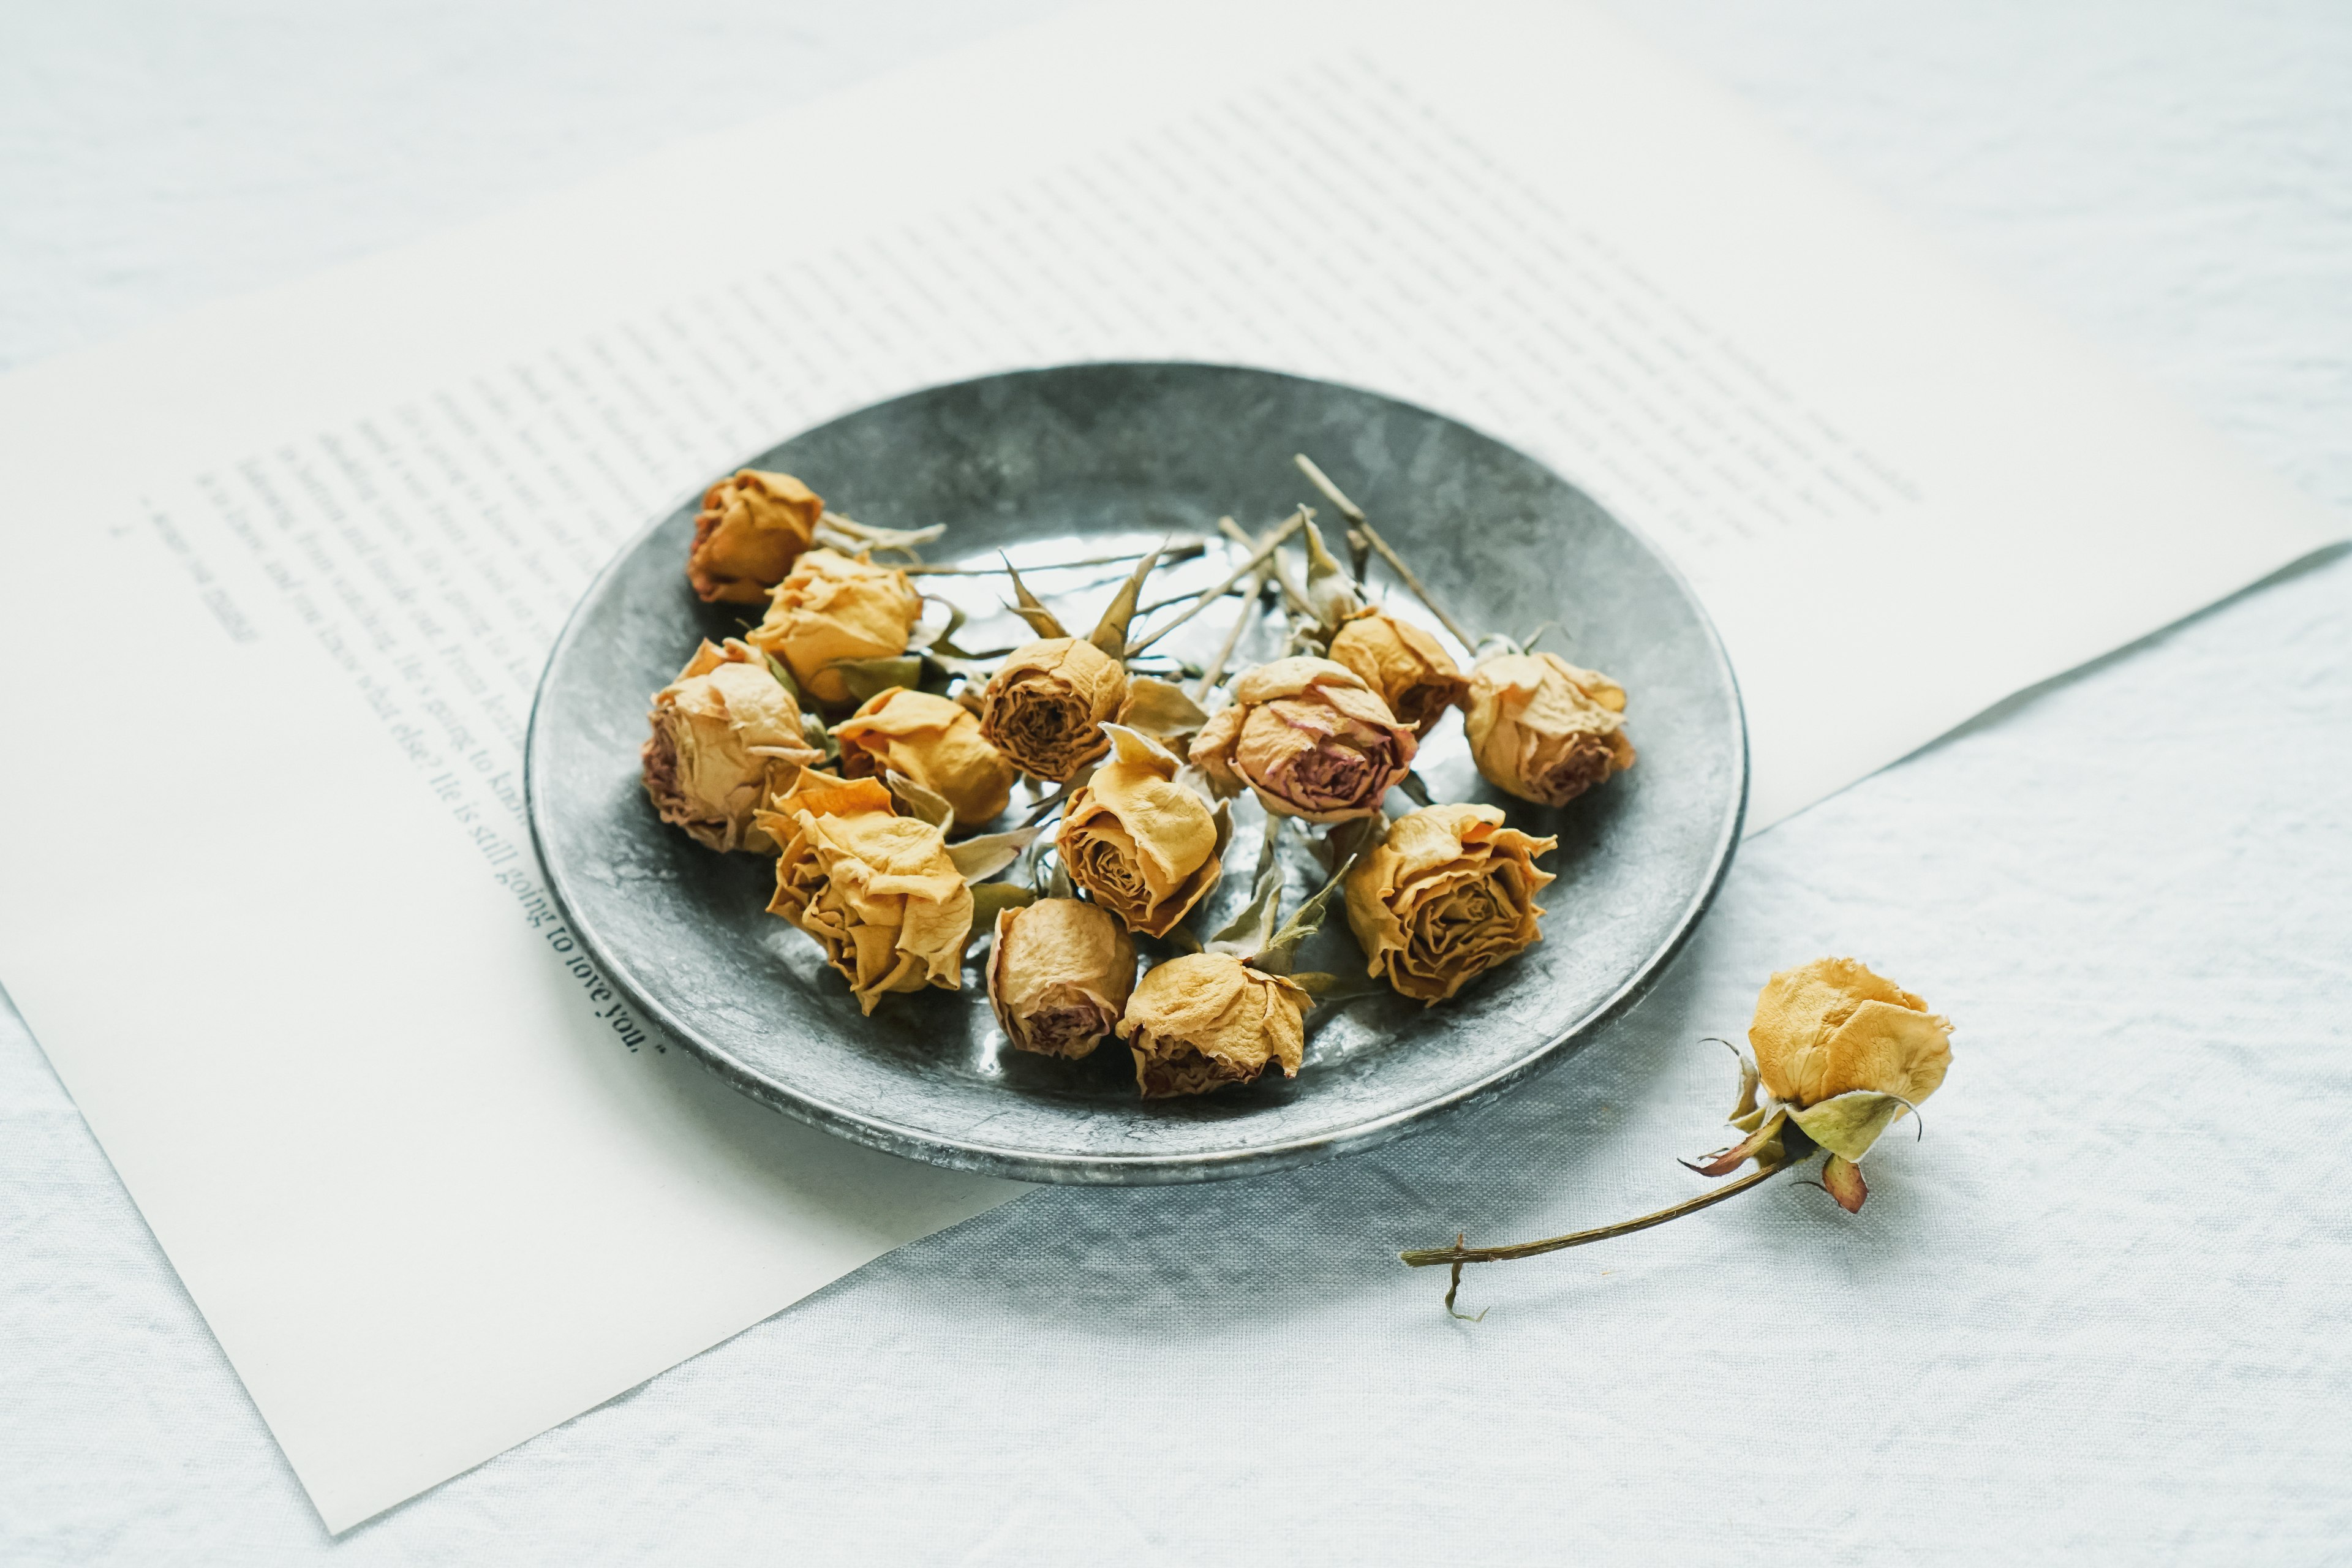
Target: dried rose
724, 733
879, 892
1405, 665
1831, 1026
832, 607
934, 741
1060, 976
1208, 1019
1146, 846
751, 529
1842, 1055
1544, 729
1045, 706
1312, 738
1448, 895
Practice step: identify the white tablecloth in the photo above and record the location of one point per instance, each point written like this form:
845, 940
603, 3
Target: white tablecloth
2100, 1311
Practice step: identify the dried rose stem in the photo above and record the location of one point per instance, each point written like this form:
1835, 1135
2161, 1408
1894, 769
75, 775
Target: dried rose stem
1458, 1254
1184, 551
1216, 670
1297, 520
1362, 524
1290, 593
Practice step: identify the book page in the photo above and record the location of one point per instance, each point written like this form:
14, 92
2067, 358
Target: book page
432, 1186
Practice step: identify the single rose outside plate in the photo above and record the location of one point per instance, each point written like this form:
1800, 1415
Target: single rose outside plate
1087, 460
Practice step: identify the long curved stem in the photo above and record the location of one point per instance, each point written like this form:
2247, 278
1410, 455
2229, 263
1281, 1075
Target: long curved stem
1434, 1256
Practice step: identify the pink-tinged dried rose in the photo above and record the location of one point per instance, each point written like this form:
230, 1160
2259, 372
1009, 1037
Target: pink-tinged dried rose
1449, 894
1404, 664
1544, 729
1310, 736
934, 741
831, 607
879, 892
1060, 976
1207, 1019
751, 529
724, 733
1148, 848
1046, 705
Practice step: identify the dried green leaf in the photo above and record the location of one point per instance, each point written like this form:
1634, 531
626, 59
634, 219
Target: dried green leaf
1755, 1146
869, 678
1161, 708
977, 859
1749, 1081
784, 678
943, 639
919, 800
1330, 596
991, 899
1281, 952
1111, 633
813, 730
1848, 1124
1248, 932
1028, 606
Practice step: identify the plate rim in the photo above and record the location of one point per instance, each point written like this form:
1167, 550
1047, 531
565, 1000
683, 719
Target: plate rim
1027, 1164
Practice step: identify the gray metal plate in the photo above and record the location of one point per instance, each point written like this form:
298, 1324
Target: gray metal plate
1079, 460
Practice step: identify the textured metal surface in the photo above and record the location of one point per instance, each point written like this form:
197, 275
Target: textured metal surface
1102, 453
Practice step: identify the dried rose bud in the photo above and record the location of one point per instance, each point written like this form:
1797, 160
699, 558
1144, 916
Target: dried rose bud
723, 732
1831, 1026
1448, 895
1544, 729
1146, 847
1046, 705
1842, 1055
1060, 975
833, 606
934, 741
751, 529
877, 891
1310, 737
1207, 1019
1404, 664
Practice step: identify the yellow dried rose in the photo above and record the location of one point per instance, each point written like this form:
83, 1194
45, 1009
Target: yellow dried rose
751, 529
830, 607
1207, 1019
1544, 729
1060, 976
1448, 895
724, 733
879, 892
934, 741
1831, 1026
1148, 848
1413, 673
1310, 736
1046, 705
1842, 1055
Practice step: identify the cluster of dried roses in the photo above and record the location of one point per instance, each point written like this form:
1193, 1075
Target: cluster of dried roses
862, 814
